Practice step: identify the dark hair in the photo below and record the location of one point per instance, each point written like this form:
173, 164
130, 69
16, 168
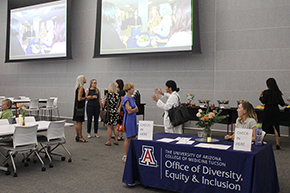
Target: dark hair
120, 84
172, 84
109, 13
272, 85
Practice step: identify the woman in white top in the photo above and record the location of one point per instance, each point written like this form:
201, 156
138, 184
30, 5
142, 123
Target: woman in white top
247, 118
173, 99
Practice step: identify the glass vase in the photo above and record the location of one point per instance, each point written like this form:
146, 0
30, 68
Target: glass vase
207, 134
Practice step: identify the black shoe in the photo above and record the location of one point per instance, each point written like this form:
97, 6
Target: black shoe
278, 147
77, 139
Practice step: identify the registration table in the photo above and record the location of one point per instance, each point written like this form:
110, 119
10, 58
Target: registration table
186, 168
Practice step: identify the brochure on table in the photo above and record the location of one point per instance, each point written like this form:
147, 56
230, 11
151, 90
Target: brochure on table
145, 131
243, 139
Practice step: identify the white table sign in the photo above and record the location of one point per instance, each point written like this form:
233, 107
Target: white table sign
243, 139
145, 131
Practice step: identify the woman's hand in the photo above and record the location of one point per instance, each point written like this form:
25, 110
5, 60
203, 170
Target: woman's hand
261, 93
158, 91
155, 97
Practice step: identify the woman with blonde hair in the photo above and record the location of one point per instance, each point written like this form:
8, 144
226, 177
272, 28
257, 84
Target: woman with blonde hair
111, 103
93, 107
79, 104
130, 119
247, 118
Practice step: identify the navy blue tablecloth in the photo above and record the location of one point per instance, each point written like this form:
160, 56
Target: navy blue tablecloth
185, 168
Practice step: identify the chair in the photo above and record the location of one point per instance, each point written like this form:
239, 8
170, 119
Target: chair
4, 122
11, 120
55, 138
28, 119
263, 135
48, 108
55, 107
24, 141
33, 106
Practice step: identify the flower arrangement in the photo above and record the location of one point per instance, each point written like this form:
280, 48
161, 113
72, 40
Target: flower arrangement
190, 97
208, 118
22, 109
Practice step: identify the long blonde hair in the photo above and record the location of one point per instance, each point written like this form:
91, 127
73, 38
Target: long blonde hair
112, 88
79, 81
250, 111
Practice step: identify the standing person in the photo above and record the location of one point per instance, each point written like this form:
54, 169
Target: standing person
6, 109
80, 99
173, 100
272, 97
93, 107
122, 93
111, 103
130, 119
247, 119
135, 23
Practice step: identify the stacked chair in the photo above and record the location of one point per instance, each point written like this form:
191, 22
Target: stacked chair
33, 106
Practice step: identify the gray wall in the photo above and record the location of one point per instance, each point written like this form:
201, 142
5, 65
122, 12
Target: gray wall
243, 43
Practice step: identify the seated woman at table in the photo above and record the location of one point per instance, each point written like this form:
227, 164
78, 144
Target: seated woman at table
181, 34
6, 109
130, 118
247, 118
173, 99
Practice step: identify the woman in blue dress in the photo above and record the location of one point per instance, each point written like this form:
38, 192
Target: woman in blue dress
130, 119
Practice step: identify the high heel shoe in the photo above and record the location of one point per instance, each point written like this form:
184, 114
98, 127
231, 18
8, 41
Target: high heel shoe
278, 147
81, 139
77, 139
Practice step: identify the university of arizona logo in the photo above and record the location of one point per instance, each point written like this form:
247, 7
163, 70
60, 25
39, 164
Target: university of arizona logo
147, 158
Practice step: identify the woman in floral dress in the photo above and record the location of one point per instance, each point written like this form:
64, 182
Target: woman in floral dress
111, 103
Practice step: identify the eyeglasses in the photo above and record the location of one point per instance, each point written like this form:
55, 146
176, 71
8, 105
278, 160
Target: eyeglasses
94, 82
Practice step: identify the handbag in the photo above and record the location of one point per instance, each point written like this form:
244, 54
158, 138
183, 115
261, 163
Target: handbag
104, 114
179, 115
80, 112
121, 127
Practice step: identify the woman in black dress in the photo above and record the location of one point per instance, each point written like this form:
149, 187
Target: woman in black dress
272, 97
80, 104
122, 93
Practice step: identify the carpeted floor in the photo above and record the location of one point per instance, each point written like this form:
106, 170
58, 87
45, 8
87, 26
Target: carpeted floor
98, 168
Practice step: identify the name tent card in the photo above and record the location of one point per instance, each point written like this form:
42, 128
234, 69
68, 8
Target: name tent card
145, 131
243, 139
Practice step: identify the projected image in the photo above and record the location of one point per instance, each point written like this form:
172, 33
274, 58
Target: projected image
38, 31
145, 26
